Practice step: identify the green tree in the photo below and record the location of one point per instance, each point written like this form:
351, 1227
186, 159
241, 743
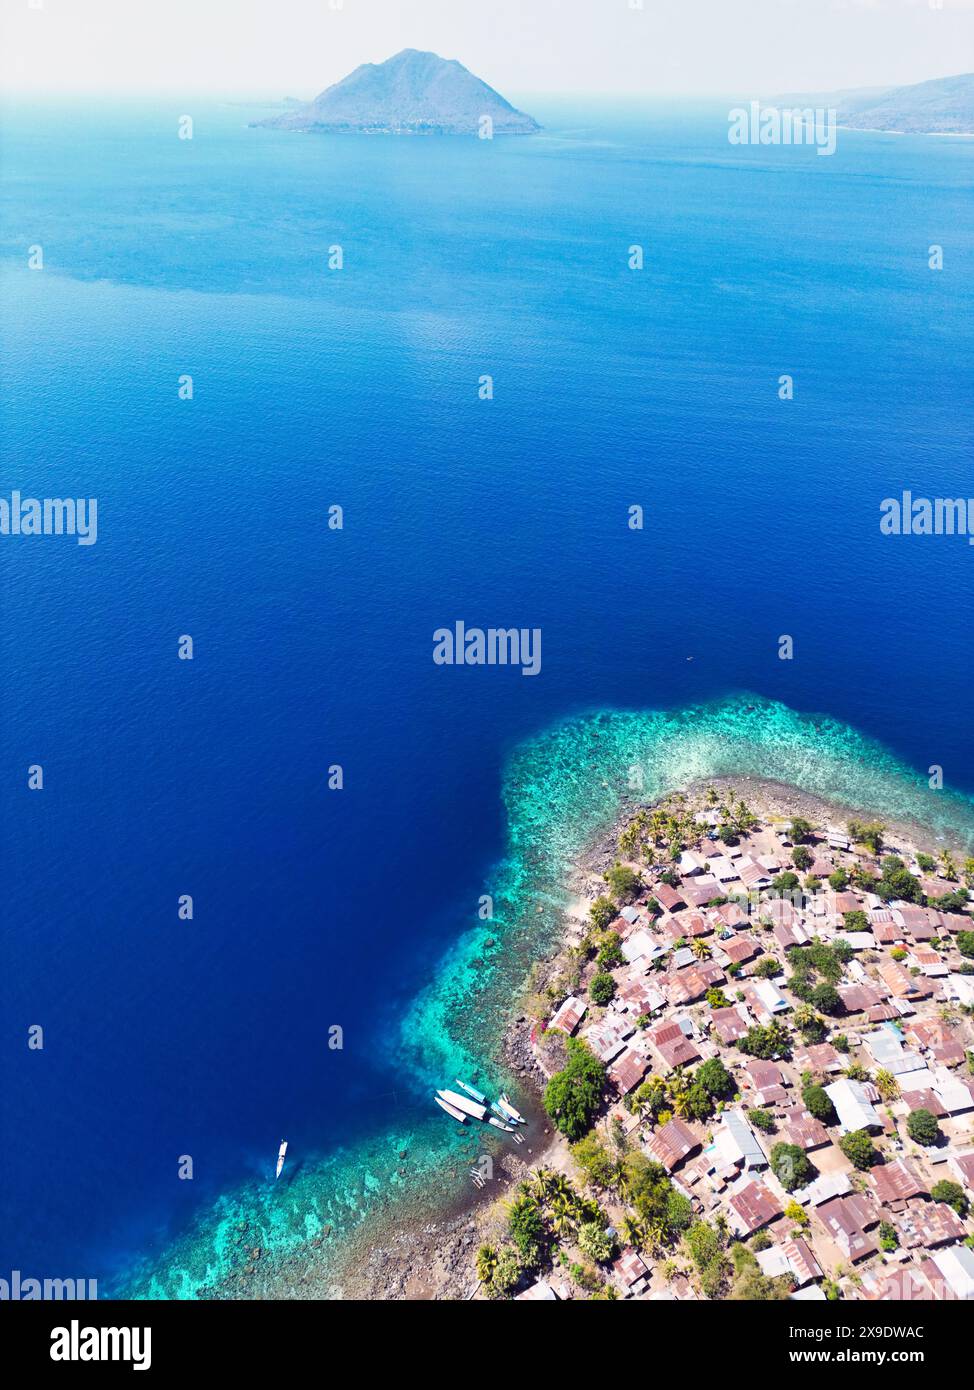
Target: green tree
595, 1242
624, 883
602, 912
595, 1161
610, 954
953, 1194
715, 1078
602, 988
526, 1225
802, 857
827, 998
574, 1094
858, 1149
790, 1166
922, 1127
818, 1104
763, 1120
965, 944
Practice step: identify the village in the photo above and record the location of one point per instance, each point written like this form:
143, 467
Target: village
758, 1049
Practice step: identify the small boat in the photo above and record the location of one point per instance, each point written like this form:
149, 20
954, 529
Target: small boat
451, 1110
518, 1139
471, 1091
280, 1159
477, 1179
469, 1107
499, 1110
499, 1124
508, 1108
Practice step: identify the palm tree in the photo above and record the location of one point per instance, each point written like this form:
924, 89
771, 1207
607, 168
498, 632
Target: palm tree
887, 1085
631, 1232
542, 1185
700, 948
486, 1263
679, 1093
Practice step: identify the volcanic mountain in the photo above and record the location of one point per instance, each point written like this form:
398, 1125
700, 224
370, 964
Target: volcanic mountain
412, 93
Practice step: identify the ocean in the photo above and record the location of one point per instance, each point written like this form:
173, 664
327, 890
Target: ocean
316, 909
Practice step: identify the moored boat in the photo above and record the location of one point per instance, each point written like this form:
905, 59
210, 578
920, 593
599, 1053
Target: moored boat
471, 1091
499, 1124
469, 1107
280, 1159
509, 1110
451, 1110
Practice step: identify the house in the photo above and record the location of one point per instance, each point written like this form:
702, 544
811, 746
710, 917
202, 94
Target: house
639, 997
608, 1038
642, 945
730, 915
668, 898
765, 999
803, 1263
730, 1023
631, 1270
541, 1292
853, 1106
848, 1221
698, 892
751, 1207
900, 983
962, 1167
736, 951
925, 1225
856, 999
569, 1015
693, 983
896, 1182
752, 874
627, 1071
951, 1273
735, 1143
819, 1057
672, 1144
674, 1047
805, 1131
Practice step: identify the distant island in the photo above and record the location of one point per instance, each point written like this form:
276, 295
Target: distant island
944, 106
412, 93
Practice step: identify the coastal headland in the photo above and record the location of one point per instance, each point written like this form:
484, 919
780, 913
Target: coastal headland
397, 1215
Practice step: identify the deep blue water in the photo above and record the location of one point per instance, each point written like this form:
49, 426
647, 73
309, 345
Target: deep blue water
359, 387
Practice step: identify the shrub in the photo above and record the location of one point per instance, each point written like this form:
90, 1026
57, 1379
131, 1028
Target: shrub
763, 1120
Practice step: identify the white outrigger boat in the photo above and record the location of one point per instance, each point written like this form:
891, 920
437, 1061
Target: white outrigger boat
510, 1112
452, 1110
469, 1107
499, 1124
471, 1091
280, 1159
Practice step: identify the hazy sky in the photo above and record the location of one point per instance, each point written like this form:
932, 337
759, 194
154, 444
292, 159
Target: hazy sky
297, 47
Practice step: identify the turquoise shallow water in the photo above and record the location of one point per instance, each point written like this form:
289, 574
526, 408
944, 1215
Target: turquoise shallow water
562, 789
